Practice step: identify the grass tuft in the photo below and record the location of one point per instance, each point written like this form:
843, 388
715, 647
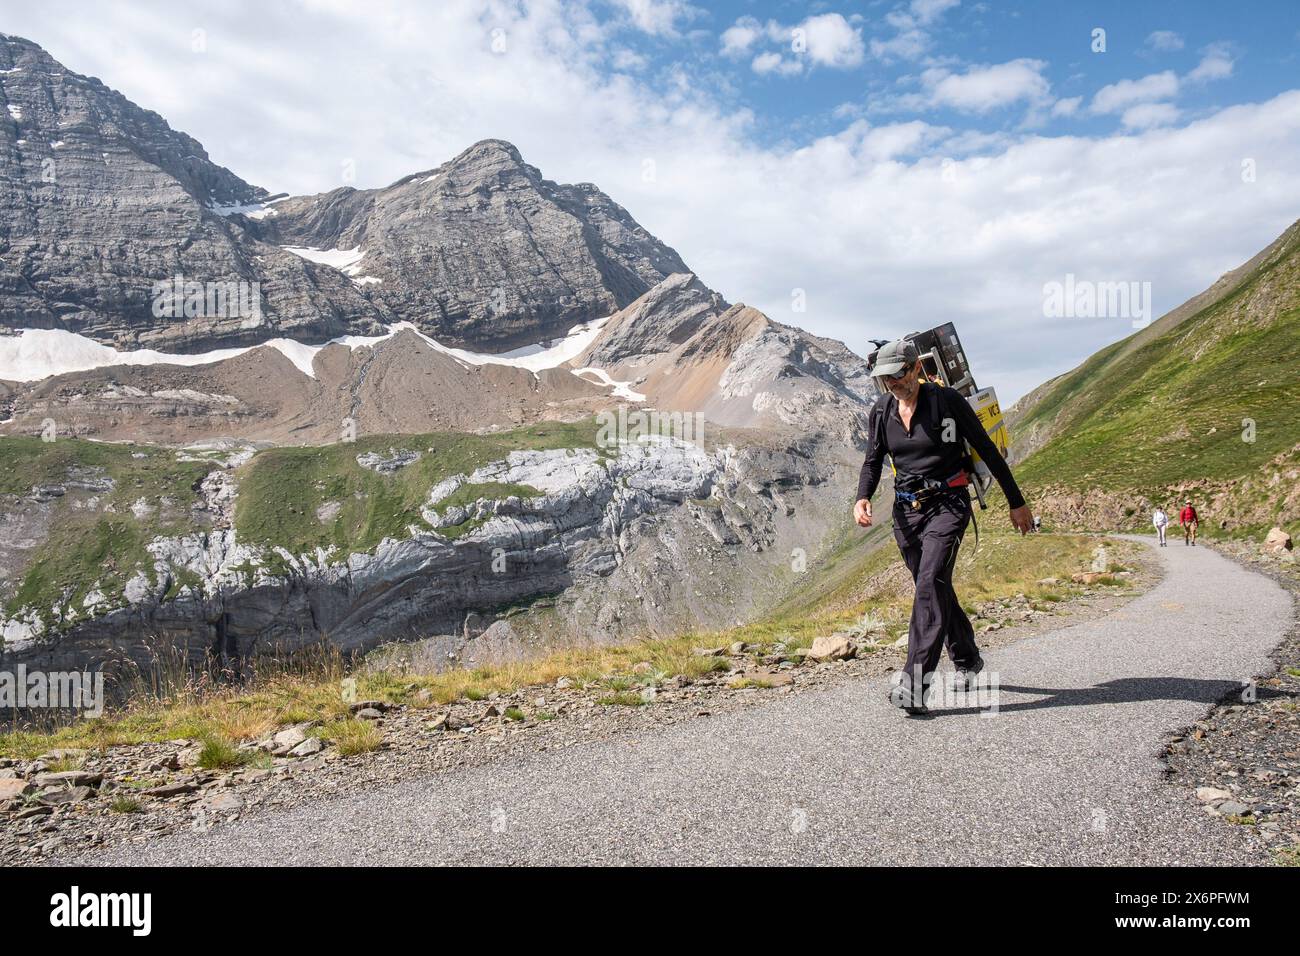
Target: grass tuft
218, 753
353, 737
622, 699
124, 803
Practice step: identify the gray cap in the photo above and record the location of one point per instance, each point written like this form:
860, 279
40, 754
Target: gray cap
895, 356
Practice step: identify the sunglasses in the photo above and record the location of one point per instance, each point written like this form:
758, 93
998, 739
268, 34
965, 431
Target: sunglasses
898, 376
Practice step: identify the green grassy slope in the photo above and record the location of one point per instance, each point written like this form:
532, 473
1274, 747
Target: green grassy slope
105, 545
1206, 407
280, 502
282, 490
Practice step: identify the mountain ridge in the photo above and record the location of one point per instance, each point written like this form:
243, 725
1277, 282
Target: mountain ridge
573, 253
482, 251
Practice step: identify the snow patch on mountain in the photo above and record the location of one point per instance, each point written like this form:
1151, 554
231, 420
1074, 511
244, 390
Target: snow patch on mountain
347, 261
35, 354
621, 389
256, 210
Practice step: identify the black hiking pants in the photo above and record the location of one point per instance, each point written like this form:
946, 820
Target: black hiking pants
929, 538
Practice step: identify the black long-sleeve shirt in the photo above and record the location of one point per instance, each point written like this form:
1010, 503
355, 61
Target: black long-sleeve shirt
923, 451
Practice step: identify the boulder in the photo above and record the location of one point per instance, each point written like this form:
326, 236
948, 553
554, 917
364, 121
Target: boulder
831, 647
68, 778
224, 802
1277, 540
311, 745
65, 795
289, 738
1212, 794
10, 789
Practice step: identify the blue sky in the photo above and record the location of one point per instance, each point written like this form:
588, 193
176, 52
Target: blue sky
860, 170
1141, 39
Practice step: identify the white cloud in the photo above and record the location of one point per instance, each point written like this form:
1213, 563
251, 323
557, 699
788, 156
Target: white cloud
927, 11
894, 140
1216, 64
1143, 103
740, 36
1148, 115
833, 41
865, 220
969, 142
909, 44
1067, 107
911, 40
625, 59
658, 17
988, 87
1165, 40
827, 39
775, 63
1119, 96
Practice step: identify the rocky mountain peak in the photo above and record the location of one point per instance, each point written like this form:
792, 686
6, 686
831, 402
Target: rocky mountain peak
481, 252
52, 108
489, 156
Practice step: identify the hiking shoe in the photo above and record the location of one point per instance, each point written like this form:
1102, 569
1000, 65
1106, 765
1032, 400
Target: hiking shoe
901, 697
964, 679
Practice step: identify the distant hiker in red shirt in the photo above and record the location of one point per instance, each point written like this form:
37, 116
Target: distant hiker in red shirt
1189, 521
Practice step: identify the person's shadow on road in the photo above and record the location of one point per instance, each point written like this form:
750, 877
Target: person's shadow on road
1124, 690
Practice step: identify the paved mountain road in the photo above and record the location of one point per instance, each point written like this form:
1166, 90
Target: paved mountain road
1065, 772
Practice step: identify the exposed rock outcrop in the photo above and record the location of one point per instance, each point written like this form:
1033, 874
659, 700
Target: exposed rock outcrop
652, 511
100, 200
688, 350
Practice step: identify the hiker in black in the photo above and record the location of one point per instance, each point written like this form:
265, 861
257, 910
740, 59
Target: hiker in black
924, 428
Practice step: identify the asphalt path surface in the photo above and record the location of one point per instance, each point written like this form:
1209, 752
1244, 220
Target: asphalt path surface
1059, 766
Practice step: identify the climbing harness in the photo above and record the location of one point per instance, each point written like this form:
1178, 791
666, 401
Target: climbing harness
914, 490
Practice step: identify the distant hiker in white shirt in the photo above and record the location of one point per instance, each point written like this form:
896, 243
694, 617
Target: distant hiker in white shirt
1161, 521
